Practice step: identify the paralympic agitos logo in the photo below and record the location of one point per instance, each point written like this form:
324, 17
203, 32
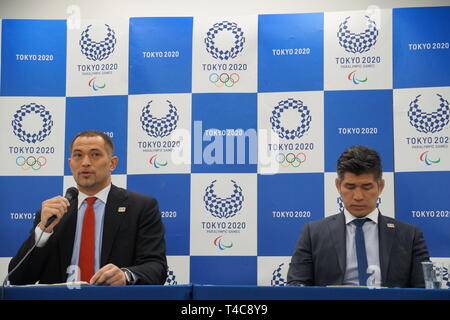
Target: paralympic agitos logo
156, 163
354, 79
94, 86
221, 244
424, 157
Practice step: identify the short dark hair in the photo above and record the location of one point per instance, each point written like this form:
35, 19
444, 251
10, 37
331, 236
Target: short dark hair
95, 133
359, 160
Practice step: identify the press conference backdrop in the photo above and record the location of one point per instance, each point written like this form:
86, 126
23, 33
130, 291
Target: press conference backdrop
233, 123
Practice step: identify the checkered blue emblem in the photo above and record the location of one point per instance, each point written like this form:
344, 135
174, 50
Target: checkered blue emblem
159, 127
171, 279
223, 207
429, 122
357, 42
445, 277
304, 119
225, 26
32, 137
277, 277
101, 50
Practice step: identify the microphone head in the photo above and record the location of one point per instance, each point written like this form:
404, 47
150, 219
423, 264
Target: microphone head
71, 193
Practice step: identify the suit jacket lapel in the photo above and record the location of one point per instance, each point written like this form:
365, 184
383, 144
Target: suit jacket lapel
337, 233
386, 234
112, 220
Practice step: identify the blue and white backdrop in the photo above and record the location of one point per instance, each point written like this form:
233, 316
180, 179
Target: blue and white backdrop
233, 123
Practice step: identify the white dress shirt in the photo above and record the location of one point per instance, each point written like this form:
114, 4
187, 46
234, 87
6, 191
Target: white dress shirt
370, 229
99, 209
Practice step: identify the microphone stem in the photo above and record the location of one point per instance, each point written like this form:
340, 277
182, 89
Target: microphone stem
21, 261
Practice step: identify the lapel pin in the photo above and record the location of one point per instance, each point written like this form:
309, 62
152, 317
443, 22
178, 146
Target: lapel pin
391, 225
122, 209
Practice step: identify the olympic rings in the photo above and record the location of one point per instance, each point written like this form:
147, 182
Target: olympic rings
290, 159
224, 79
31, 162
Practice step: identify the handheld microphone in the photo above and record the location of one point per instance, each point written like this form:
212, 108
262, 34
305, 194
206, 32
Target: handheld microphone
71, 194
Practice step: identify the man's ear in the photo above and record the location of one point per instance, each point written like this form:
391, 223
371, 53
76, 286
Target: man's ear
114, 161
381, 185
338, 185
69, 160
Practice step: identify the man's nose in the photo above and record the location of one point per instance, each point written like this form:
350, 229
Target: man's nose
85, 161
357, 194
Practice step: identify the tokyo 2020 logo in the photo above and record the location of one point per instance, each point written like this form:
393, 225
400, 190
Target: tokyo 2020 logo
159, 127
304, 119
25, 134
98, 50
223, 207
429, 122
357, 42
231, 52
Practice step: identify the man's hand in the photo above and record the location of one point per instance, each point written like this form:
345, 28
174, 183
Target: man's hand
56, 206
109, 275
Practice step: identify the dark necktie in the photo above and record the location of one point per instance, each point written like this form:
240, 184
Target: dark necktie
87, 245
361, 251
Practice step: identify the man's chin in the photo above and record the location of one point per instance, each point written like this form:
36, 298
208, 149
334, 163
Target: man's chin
85, 184
359, 212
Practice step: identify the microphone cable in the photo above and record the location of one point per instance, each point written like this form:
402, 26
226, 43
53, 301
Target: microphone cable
18, 265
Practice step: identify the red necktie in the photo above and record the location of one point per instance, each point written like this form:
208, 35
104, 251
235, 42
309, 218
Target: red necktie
87, 246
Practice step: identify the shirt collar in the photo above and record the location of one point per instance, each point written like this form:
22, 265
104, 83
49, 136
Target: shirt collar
373, 216
102, 195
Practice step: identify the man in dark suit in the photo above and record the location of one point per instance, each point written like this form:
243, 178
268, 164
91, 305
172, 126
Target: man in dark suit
344, 249
108, 235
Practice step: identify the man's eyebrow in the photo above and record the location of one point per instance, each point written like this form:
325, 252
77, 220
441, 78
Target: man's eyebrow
349, 184
90, 150
368, 184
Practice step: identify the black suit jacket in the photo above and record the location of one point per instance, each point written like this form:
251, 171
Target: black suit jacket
319, 258
133, 239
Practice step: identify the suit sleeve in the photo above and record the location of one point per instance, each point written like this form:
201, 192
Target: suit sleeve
29, 272
419, 254
150, 263
301, 271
